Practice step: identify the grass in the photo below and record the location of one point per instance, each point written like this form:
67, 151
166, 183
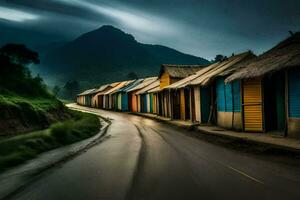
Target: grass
39, 104
19, 114
18, 149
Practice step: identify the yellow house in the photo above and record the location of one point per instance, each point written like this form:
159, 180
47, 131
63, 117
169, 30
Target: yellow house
168, 75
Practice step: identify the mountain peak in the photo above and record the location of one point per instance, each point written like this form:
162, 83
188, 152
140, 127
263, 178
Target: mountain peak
109, 54
106, 32
108, 28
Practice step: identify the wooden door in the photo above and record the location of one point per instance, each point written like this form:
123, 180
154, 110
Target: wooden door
252, 105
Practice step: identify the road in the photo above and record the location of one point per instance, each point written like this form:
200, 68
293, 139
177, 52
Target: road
145, 159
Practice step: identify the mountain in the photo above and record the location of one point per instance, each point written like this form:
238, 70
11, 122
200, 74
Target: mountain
108, 54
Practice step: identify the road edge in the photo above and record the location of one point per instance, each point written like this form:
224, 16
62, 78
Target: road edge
68, 156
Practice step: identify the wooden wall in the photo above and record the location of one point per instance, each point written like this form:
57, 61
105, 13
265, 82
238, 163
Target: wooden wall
197, 104
164, 80
252, 105
133, 102
182, 104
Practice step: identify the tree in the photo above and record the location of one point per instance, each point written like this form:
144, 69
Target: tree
14, 74
71, 88
20, 54
132, 75
219, 58
56, 90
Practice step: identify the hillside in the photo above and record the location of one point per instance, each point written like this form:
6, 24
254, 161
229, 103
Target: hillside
108, 54
25, 104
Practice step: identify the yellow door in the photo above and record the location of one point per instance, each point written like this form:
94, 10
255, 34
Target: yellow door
252, 105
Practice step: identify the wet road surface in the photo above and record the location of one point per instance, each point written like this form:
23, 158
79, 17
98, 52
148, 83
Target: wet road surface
145, 159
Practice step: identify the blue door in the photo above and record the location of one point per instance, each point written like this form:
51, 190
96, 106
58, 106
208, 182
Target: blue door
228, 96
124, 101
220, 92
294, 93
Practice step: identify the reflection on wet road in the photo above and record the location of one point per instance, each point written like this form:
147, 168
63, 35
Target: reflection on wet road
146, 159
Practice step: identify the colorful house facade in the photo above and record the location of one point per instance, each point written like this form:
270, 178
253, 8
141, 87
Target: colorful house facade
133, 105
271, 90
85, 98
170, 74
123, 95
145, 98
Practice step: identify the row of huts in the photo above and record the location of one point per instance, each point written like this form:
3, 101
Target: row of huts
244, 92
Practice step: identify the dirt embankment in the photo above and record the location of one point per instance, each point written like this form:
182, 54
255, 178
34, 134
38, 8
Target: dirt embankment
23, 117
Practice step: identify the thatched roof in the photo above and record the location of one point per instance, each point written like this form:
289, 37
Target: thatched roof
179, 71
186, 81
284, 55
144, 83
223, 68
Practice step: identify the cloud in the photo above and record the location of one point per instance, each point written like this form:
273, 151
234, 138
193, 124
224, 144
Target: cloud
127, 17
16, 15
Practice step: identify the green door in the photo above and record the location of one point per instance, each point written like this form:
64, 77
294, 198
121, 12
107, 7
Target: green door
205, 104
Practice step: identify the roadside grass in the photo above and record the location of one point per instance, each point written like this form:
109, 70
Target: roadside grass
38, 104
18, 149
21, 114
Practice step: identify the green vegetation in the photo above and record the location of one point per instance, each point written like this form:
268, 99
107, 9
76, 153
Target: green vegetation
38, 104
25, 103
18, 149
14, 73
21, 114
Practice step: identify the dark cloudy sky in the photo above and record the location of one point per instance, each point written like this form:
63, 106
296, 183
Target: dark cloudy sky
199, 27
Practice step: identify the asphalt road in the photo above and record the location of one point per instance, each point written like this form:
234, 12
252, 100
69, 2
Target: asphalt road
145, 159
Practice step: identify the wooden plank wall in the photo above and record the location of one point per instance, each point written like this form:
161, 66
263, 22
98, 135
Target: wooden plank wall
182, 104
164, 80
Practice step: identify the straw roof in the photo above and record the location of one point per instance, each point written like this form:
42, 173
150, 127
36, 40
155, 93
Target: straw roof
144, 83
180, 71
149, 87
284, 55
223, 68
186, 81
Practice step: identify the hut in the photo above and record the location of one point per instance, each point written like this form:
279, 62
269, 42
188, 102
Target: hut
201, 96
271, 90
145, 98
98, 100
85, 98
109, 97
221, 102
179, 108
94, 99
168, 75
113, 102
157, 106
124, 97
133, 98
